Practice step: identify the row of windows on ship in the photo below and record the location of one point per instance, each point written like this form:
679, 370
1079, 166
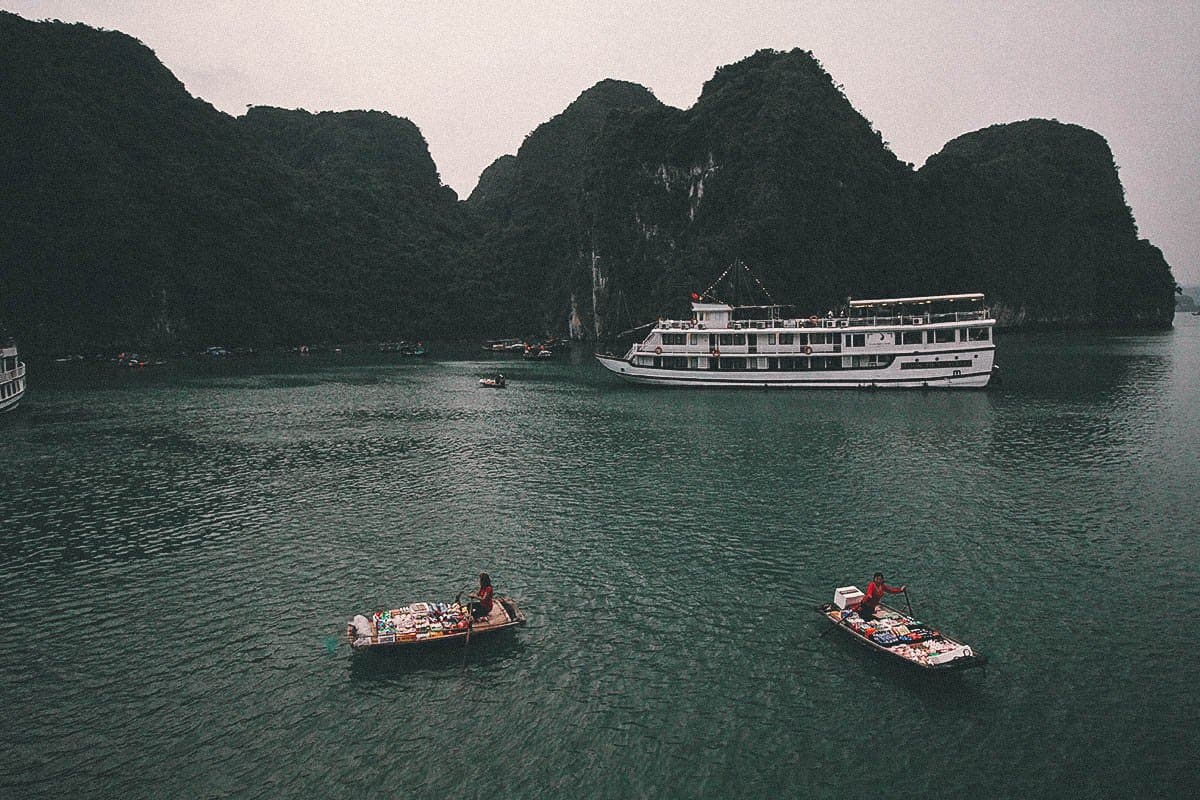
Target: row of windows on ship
800, 364
935, 336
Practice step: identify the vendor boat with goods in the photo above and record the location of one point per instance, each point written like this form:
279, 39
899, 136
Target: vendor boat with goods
898, 635
902, 342
418, 625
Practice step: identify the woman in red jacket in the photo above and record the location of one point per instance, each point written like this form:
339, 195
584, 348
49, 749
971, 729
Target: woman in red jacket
875, 590
482, 605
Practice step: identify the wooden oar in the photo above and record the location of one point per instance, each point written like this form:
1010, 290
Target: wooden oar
467, 641
906, 601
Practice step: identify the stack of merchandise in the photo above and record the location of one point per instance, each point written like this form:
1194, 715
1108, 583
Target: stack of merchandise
889, 629
418, 622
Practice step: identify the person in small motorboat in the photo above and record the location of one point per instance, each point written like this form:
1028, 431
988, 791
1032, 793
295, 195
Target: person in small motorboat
481, 604
875, 591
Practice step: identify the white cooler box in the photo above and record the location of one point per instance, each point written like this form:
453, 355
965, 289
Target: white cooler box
847, 597
950, 655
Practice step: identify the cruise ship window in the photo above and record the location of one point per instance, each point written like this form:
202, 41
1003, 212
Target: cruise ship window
911, 337
943, 335
786, 338
977, 334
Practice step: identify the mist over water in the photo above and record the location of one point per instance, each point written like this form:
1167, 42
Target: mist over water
181, 547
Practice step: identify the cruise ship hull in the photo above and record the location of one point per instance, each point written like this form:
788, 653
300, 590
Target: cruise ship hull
895, 376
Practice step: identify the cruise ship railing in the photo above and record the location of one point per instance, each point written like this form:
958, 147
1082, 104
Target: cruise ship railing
772, 350
824, 322
13, 374
917, 319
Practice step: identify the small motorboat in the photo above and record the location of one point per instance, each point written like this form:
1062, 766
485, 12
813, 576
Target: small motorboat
504, 345
537, 353
418, 625
403, 347
497, 382
899, 635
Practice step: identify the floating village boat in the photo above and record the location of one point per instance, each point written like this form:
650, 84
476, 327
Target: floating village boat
504, 345
898, 635
403, 347
498, 382
12, 376
901, 342
420, 625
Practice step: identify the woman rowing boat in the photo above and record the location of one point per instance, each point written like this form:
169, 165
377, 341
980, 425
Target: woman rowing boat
875, 591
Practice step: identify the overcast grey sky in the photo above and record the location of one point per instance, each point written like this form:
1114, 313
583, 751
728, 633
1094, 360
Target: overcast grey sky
477, 77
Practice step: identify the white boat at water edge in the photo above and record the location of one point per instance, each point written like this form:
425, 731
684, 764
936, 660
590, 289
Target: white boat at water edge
12, 376
936, 341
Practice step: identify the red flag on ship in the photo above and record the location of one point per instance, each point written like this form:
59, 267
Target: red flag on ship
695, 296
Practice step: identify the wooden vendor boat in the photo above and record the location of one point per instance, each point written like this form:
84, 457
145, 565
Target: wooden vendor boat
899, 635
421, 625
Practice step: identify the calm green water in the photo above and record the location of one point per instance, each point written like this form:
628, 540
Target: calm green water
179, 546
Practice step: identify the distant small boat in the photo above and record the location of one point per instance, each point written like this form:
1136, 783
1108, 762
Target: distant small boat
498, 382
556, 344
12, 376
504, 345
537, 353
898, 635
135, 361
403, 347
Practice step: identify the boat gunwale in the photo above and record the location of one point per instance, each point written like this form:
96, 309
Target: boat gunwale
974, 660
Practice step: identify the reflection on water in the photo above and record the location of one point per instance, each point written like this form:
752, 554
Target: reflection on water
181, 546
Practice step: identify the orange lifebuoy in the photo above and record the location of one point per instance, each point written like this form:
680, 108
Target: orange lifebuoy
658, 351
807, 350
715, 353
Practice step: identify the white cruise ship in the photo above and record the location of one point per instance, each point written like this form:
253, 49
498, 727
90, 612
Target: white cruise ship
902, 342
12, 376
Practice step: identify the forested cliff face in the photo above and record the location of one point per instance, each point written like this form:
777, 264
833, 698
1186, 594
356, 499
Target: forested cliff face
531, 211
1034, 214
771, 166
135, 215
774, 167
